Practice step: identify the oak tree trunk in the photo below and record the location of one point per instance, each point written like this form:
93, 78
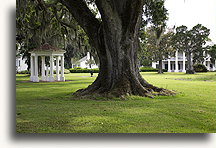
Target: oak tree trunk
160, 69
189, 69
116, 42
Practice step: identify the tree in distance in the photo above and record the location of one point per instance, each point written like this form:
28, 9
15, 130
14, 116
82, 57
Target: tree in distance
191, 42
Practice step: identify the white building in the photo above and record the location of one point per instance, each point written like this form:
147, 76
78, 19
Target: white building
47, 51
179, 63
20, 64
83, 63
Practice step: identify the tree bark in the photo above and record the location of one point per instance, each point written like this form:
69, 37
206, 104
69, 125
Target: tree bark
189, 69
160, 69
116, 42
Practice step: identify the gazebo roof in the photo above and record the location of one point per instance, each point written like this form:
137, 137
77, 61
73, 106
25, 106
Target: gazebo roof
46, 50
47, 47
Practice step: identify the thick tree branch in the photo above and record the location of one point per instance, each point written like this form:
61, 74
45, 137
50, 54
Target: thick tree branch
59, 19
125, 12
83, 16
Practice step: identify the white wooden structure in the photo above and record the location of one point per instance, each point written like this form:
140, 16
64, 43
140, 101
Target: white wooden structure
20, 64
179, 63
83, 62
47, 73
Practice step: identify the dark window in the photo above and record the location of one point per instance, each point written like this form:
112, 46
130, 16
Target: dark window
166, 66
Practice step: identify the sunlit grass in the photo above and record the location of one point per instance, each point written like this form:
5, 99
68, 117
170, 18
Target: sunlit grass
47, 107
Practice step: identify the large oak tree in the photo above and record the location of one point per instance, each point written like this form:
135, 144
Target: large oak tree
191, 42
115, 38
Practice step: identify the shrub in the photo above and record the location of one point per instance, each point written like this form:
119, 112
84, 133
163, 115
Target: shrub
200, 68
150, 69
77, 68
66, 71
83, 70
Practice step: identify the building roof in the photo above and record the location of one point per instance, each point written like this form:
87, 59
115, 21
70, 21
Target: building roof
47, 47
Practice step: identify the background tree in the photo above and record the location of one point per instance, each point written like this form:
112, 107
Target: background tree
157, 15
212, 53
191, 42
115, 38
163, 49
49, 21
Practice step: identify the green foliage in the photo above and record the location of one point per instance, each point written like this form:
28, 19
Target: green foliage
66, 71
83, 70
159, 49
191, 41
200, 68
77, 68
212, 53
155, 13
150, 69
49, 21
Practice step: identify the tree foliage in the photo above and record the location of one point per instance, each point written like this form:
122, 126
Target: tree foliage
156, 15
212, 53
191, 42
49, 21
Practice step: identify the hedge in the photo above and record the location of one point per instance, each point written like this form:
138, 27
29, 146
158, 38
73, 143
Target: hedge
96, 70
83, 70
150, 69
66, 71
200, 68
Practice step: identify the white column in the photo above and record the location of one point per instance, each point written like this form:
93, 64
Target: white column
208, 65
163, 65
57, 68
169, 66
51, 78
176, 62
213, 66
32, 68
47, 73
204, 62
36, 78
183, 70
62, 78
43, 77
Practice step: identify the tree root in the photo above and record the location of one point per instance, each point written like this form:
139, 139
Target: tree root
122, 93
123, 88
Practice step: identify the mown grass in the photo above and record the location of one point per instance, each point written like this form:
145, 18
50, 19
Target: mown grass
47, 107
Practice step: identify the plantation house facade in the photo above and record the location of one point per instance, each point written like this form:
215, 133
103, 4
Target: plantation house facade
173, 64
21, 64
179, 63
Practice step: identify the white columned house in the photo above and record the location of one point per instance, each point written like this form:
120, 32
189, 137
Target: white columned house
169, 65
179, 61
47, 71
176, 62
183, 63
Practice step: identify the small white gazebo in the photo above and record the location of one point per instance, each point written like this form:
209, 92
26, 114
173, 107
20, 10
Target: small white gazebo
47, 72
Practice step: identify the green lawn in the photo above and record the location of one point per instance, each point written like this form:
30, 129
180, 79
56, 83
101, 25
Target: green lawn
47, 107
